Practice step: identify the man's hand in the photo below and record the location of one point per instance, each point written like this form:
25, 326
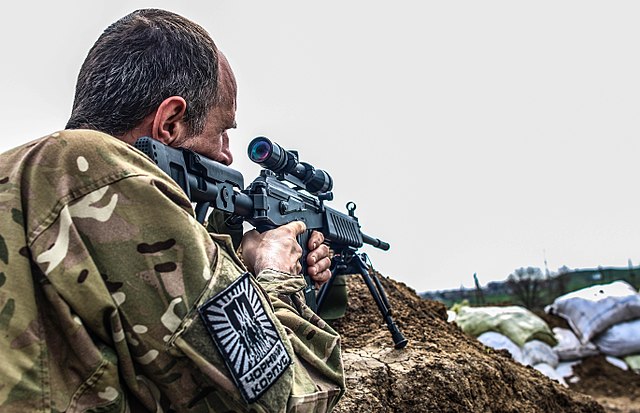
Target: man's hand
278, 249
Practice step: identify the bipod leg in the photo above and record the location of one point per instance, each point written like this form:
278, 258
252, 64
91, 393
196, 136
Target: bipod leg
379, 296
383, 295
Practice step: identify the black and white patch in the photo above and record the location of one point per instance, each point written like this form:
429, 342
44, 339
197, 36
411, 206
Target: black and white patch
247, 339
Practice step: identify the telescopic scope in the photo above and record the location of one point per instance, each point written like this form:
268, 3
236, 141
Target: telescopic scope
274, 157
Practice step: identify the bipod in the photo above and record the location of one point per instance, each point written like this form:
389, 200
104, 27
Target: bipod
349, 262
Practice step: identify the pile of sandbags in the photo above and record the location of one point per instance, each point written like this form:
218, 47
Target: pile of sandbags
523, 334
517, 323
604, 319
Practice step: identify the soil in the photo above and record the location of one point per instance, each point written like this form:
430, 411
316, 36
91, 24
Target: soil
616, 389
444, 370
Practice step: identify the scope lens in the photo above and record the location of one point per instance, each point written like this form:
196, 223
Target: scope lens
260, 151
269, 154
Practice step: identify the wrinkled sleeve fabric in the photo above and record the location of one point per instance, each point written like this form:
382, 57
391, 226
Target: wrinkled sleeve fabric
318, 381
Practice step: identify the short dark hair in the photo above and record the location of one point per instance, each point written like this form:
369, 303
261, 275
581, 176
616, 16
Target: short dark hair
137, 62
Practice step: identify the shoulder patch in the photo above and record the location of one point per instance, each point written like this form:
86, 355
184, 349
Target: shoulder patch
247, 339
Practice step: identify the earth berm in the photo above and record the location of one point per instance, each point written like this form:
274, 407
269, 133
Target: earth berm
444, 370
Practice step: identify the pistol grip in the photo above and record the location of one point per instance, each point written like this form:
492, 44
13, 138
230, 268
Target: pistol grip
309, 289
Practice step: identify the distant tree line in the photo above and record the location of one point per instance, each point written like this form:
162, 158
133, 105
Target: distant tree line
533, 289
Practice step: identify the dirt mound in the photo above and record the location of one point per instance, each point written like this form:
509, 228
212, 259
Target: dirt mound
616, 389
441, 369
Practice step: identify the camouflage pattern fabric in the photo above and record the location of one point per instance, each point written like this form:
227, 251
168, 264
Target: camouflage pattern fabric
218, 223
103, 270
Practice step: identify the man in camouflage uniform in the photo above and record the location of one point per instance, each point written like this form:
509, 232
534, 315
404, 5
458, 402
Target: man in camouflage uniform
112, 296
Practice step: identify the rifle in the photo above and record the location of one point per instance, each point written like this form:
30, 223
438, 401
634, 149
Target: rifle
286, 190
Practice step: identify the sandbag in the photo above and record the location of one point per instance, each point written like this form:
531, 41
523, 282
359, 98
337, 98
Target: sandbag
621, 339
537, 352
515, 322
619, 363
451, 316
550, 372
501, 342
565, 370
569, 347
633, 361
592, 310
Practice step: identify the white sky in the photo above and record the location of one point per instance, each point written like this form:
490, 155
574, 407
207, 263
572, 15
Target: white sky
475, 136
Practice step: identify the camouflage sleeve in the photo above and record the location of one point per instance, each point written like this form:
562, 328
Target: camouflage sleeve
318, 381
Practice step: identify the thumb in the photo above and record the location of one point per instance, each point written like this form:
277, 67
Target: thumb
298, 227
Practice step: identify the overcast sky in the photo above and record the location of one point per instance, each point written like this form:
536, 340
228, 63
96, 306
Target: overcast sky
474, 136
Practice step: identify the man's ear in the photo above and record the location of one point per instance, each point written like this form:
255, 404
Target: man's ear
168, 121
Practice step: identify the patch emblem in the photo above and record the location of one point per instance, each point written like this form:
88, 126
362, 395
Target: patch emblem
247, 339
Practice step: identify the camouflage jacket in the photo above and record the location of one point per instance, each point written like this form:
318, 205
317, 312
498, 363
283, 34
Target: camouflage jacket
114, 298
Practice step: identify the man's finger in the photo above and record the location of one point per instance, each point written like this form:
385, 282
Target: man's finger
321, 278
315, 239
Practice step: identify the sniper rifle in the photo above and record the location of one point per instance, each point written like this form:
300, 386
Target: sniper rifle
286, 190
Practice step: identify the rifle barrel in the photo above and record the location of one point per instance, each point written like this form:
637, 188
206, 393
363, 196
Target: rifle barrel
375, 242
